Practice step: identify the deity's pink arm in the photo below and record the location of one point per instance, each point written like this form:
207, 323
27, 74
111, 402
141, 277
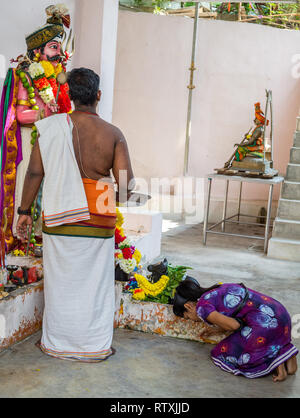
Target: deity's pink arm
25, 115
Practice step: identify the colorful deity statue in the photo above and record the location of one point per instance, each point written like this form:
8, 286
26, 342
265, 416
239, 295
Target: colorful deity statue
31, 92
253, 143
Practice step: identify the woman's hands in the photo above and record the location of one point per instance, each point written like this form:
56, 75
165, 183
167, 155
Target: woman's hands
214, 318
191, 312
225, 322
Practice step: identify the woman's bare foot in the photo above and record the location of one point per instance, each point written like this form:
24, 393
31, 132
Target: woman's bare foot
291, 365
281, 374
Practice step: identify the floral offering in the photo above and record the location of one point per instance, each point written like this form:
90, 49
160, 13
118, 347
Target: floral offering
142, 286
44, 76
151, 289
162, 291
41, 82
126, 255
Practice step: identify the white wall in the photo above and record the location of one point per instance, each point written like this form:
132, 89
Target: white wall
97, 22
19, 18
235, 63
94, 23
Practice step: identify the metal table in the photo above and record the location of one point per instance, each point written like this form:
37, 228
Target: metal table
271, 182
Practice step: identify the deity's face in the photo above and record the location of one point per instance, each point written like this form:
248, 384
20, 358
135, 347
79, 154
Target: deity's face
51, 52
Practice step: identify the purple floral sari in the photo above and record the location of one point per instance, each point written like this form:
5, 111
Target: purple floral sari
262, 344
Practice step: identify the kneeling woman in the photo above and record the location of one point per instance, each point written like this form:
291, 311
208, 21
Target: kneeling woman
261, 338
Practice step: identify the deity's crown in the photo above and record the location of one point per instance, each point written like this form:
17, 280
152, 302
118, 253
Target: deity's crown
58, 18
259, 114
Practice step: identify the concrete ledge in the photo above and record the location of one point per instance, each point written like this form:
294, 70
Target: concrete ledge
297, 134
295, 155
158, 318
284, 249
21, 314
289, 209
293, 172
291, 190
286, 228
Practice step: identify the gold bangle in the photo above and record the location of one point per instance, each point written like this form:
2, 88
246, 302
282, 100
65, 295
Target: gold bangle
23, 103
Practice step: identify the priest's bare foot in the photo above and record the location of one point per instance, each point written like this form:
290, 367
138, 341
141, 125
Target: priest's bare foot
38, 344
281, 374
291, 365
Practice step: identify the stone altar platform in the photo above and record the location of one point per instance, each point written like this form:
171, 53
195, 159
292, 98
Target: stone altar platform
21, 312
158, 318
21, 315
144, 229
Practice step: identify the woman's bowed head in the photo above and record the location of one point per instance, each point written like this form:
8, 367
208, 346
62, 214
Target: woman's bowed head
185, 305
260, 341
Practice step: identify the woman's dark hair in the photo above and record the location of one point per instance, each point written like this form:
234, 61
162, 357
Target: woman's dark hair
188, 290
84, 85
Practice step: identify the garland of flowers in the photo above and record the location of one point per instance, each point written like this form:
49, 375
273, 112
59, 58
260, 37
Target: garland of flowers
32, 100
128, 258
29, 88
44, 75
163, 291
40, 81
151, 289
51, 73
126, 255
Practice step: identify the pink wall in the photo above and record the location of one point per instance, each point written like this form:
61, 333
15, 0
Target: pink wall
150, 90
235, 63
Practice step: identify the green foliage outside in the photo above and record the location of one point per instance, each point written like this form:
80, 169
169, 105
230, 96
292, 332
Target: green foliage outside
281, 15
155, 6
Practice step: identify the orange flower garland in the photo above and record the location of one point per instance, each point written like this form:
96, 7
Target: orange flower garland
44, 76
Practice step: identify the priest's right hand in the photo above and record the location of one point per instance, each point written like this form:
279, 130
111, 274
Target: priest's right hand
24, 226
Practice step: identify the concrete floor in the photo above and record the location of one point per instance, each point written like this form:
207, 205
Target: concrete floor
155, 366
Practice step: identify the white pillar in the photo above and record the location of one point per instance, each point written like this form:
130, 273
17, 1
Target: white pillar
96, 41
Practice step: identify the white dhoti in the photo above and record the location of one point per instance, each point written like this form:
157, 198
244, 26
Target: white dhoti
78, 253
79, 297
